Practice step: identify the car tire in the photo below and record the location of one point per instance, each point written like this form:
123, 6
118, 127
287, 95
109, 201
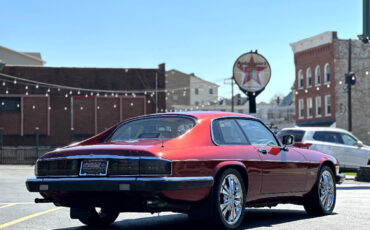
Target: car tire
229, 198
102, 218
323, 196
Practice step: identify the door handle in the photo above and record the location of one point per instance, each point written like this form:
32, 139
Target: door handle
263, 151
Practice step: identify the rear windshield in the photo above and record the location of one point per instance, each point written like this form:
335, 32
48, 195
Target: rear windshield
298, 134
164, 127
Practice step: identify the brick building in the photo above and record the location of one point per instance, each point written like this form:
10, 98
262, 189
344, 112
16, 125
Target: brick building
321, 95
191, 91
60, 114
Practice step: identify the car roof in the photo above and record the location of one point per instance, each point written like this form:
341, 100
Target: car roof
328, 129
203, 114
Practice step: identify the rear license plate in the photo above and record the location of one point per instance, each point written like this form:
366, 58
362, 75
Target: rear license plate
94, 168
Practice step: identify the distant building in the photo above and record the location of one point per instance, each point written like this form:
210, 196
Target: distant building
321, 62
62, 115
12, 57
188, 90
279, 114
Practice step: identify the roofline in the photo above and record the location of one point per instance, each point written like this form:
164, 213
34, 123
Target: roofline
75, 67
189, 75
23, 54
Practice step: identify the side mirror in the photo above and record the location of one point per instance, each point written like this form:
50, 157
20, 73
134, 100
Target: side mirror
360, 144
288, 140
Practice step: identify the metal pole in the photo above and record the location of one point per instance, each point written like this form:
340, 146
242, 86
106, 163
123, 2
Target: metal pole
156, 92
349, 86
37, 141
252, 102
232, 94
1, 146
72, 135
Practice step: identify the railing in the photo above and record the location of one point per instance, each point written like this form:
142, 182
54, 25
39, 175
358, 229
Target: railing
22, 154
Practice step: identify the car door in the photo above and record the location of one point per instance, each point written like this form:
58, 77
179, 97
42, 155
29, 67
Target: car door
330, 142
227, 135
282, 171
354, 155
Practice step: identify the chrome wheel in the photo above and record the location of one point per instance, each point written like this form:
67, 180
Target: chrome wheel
231, 199
326, 190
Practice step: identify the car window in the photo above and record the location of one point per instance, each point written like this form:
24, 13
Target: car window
227, 132
165, 127
298, 134
332, 137
348, 140
257, 133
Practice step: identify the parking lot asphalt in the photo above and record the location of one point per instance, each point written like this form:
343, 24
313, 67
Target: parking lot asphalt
18, 211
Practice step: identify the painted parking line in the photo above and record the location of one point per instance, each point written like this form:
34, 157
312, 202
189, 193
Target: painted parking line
8, 205
28, 217
3, 203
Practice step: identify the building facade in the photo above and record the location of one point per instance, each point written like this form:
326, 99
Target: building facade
321, 63
12, 57
189, 90
63, 105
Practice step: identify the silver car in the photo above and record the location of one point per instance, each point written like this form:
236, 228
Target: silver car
350, 151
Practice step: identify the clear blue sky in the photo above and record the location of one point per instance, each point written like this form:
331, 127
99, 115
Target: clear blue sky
201, 37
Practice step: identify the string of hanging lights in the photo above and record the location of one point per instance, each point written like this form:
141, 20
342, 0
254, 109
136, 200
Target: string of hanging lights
34, 87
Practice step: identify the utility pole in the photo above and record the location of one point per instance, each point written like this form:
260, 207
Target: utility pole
156, 92
232, 94
350, 80
349, 86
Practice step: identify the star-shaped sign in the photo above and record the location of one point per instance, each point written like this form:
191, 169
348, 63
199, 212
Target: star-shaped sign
251, 71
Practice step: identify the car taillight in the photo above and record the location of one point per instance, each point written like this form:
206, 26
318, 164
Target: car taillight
122, 167
57, 168
155, 167
139, 166
302, 145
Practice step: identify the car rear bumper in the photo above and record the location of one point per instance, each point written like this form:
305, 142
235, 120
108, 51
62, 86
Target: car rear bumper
148, 184
340, 178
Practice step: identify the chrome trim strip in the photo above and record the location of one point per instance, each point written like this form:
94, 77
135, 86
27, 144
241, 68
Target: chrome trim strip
93, 156
247, 160
202, 178
126, 179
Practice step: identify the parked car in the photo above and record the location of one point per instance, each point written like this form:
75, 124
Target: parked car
350, 151
207, 164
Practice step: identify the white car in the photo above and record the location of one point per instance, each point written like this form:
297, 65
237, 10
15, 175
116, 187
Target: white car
350, 151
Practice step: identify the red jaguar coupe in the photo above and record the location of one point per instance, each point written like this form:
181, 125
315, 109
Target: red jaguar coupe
207, 164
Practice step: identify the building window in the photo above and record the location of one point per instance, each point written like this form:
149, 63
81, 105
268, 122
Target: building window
327, 105
300, 79
240, 111
300, 109
197, 103
196, 90
317, 75
318, 106
210, 91
327, 73
175, 97
309, 107
309, 78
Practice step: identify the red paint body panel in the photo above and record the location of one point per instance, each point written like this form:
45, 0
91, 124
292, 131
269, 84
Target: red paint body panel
275, 174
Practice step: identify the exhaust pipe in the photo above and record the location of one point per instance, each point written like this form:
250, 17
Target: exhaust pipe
42, 200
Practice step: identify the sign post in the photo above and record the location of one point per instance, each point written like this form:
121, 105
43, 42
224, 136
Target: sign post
251, 73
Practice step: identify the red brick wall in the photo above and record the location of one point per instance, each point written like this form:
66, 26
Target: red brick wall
311, 58
35, 115
83, 120
107, 114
